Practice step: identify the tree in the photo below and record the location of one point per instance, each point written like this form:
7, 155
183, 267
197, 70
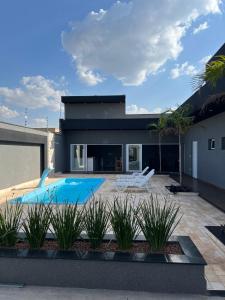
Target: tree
178, 122
160, 128
214, 71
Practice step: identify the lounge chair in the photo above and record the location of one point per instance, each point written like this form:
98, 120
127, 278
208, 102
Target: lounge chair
121, 177
141, 182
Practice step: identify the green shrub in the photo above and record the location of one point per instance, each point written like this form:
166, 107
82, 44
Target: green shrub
37, 224
96, 221
124, 222
158, 222
67, 223
10, 222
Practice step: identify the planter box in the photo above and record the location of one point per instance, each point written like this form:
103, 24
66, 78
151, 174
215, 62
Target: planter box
109, 270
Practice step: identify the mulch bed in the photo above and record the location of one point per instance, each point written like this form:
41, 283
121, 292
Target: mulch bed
218, 232
178, 189
137, 247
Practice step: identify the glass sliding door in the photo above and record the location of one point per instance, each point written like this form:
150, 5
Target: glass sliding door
134, 157
78, 157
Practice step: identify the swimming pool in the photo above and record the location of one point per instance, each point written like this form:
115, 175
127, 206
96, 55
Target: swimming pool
67, 190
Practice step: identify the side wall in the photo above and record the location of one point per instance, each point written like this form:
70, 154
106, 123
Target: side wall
211, 163
23, 154
112, 137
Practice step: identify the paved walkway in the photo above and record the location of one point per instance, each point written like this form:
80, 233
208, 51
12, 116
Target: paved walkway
52, 293
211, 193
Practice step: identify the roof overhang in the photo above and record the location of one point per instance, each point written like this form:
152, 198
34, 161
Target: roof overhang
93, 99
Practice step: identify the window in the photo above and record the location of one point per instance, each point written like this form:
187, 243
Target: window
211, 144
223, 143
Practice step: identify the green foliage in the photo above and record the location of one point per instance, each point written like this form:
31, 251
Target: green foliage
124, 222
67, 224
160, 125
173, 121
178, 121
10, 222
214, 71
96, 221
157, 222
37, 224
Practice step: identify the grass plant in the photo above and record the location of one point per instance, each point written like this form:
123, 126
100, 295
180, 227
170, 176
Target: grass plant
36, 224
124, 222
96, 221
158, 222
67, 224
10, 223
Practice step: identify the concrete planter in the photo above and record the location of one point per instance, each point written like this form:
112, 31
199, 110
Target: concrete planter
110, 270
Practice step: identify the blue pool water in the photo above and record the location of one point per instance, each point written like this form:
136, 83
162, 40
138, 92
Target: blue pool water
68, 190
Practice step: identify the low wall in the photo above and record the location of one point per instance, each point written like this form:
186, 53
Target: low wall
109, 270
154, 277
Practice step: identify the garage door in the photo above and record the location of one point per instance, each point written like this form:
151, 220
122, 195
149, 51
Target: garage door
19, 163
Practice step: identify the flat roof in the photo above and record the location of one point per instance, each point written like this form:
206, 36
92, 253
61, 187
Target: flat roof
94, 99
20, 128
200, 97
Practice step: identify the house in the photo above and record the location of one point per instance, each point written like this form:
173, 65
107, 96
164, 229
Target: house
98, 136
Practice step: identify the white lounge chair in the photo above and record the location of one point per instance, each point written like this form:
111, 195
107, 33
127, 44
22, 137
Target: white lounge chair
121, 177
141, 182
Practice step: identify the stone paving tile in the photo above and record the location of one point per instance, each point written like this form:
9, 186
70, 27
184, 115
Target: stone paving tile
197, 213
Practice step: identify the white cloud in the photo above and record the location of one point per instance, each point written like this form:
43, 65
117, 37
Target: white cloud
88, 76
39, 122
201, 27
183, 69
34, 92
135, 109
7, 113
132, 40
205, 59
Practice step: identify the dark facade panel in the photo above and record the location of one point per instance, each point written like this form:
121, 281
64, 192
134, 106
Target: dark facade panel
198, 100
106, 124
94, 99
122, 137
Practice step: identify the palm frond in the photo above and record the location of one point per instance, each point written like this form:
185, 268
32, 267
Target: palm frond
214, 71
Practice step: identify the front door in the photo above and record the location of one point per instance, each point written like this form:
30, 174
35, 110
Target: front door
78, 157
134, 157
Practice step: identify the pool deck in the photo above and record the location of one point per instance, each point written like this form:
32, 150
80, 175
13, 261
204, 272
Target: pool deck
197, 213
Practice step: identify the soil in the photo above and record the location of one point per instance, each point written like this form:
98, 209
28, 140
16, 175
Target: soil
178, 189
218, 232
108, 246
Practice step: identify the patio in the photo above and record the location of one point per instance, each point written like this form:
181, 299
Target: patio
197, 213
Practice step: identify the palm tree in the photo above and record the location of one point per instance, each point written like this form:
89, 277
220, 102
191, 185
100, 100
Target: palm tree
214, 71
178, 122
160, 128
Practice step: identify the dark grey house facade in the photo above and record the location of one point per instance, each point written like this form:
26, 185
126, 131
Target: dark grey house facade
204, 143
99, 136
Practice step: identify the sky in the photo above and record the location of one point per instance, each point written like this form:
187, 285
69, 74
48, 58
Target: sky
148, 50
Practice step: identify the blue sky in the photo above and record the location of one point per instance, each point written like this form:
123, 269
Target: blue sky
148, 50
